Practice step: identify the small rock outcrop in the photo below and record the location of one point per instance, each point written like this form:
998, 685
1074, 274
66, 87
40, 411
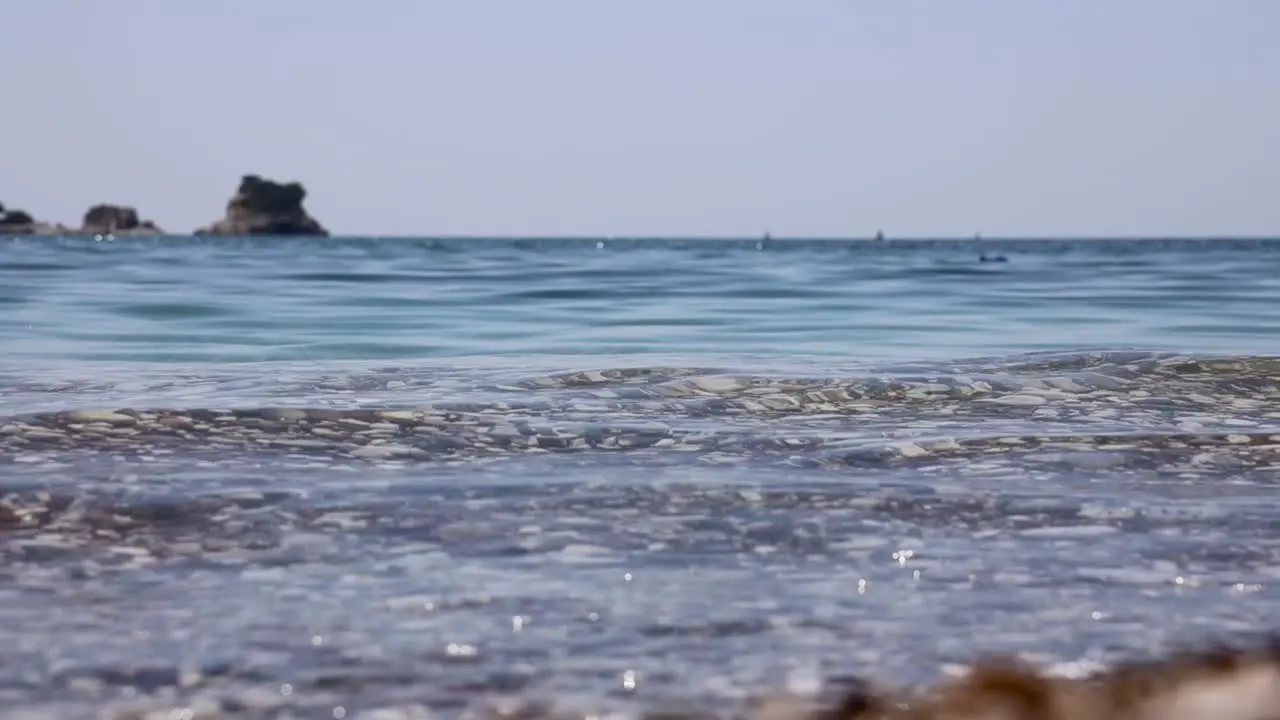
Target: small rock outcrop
116, 220
264, 207
17, 222
15, 217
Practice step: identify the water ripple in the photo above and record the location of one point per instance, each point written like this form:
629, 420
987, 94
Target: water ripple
409, 478
451, 297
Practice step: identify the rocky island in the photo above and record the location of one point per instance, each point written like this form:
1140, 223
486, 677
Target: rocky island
98, 220
116, 220
258, 207
20, 222
265, 207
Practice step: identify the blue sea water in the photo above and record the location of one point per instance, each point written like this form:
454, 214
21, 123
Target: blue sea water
265, 299
269, 477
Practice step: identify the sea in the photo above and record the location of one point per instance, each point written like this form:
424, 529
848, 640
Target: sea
405, 478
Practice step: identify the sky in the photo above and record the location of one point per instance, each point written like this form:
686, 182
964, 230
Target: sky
829, 118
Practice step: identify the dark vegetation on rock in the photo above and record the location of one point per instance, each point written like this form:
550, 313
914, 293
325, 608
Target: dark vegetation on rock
16, 222
103, 219
265, 207
17, 217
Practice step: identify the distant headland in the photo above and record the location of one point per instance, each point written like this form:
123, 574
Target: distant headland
258, 207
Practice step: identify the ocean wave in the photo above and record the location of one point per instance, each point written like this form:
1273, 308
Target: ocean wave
1136, 403
431, 540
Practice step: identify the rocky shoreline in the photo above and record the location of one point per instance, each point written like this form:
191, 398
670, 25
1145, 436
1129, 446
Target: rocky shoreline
258, 207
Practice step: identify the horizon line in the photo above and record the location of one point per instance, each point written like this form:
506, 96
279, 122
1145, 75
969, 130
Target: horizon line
668, 237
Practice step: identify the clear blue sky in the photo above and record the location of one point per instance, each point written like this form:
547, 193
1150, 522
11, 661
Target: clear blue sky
686, 117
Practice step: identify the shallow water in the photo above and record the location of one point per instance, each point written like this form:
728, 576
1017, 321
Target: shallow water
255, 478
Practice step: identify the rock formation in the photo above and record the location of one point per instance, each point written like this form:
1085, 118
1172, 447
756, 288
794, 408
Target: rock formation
116, 220
18, 222
264, 207
15, 217
99, 220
